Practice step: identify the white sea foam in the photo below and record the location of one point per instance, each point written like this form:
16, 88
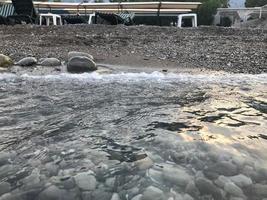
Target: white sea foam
134, 77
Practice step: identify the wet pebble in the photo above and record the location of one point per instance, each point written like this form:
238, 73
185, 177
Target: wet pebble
4, 188
176, 176
233, 190
52, 169
115, 196
52, 193
137, 197
205, 186
260, 190
28, 61
153, 193
225, 168
85, 181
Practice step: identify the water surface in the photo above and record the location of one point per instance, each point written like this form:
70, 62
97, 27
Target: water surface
133, 136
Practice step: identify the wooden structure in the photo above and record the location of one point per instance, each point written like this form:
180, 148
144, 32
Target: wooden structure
142, 8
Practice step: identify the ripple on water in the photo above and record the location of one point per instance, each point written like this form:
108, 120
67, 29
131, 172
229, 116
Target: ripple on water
133, 136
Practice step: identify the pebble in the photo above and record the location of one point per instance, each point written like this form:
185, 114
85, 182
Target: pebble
225, 168
27, 62
153, 193
176, 176
72, 54
4, 188
260, 189
52, 193
52, 169
137, 197
85, 181
205, 186
241, 180
5, 61
233, 189
50, 62
115, 196
80, 64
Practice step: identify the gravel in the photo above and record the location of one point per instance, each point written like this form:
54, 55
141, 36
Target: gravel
212, 48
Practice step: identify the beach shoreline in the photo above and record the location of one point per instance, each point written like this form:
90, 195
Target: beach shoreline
209, 49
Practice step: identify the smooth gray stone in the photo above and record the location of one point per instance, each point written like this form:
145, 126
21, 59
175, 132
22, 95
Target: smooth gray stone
85, 181
72, 54
52, 193
27, 62
223, 168
50, 62
241, 180
176, 176
80, 64
4, 188
233, 189
52, 169
4, 158
205, 186
153, 193
260, 189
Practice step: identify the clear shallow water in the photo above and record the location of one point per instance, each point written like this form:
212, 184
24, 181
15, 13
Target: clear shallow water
133, 136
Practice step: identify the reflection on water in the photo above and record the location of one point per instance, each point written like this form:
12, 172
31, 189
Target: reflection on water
133, 137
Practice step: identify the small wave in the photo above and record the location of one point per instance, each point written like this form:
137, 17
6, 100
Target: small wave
143, 76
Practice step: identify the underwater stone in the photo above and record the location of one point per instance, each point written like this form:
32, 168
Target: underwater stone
241, 180
176, 176
115, 196
85, 181
52, 193
233, 189
153, 193
205, 186
260, 189
4, 188
137, 197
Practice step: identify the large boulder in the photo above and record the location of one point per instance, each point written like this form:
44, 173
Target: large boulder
80, 64
5, 61
72, 54
26, 62
50, 62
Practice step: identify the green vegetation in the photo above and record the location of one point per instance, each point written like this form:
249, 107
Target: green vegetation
255, 3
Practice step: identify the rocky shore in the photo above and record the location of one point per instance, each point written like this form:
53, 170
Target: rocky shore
204, 48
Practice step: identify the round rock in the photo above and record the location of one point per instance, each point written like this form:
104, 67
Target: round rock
153, 193
85, 181
4, 188
80, 64
26, 62
5, 61
50, 62
72, 54
52, 193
